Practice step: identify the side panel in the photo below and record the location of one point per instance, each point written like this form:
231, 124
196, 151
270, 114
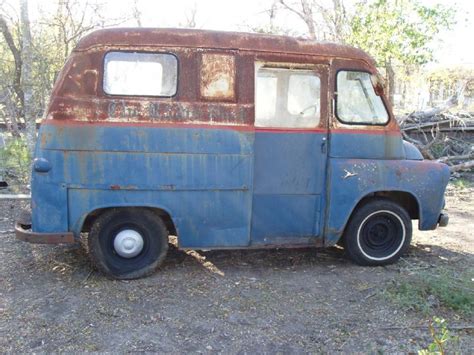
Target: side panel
202, 177
350, 180
203, 218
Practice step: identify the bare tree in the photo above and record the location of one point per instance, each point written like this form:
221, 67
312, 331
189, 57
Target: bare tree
190, 21
323, 22
305, 12
9, 111
72, 20
271, 27
29, 63
26, 80
136, 13
18, 62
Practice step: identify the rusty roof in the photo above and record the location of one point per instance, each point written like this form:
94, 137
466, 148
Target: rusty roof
149, 37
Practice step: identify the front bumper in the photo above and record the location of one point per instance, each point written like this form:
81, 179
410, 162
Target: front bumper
443, 219
27, 235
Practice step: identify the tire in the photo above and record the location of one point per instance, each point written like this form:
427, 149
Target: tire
128, 243
378, 233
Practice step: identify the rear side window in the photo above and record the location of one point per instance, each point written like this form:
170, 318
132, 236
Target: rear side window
357, 102
287, 98
140, 74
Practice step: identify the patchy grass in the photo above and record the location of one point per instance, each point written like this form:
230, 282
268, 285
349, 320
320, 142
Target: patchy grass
428, 290
462, 183
441, 339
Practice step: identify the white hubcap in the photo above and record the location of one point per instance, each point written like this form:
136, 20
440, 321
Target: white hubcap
128, 243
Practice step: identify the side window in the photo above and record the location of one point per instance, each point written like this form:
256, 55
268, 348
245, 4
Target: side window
217, 76
357, 102
287, 98
140, 74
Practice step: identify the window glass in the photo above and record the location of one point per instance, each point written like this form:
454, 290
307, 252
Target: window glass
136, 74
266, 98
287, 98
301, 95
357, 101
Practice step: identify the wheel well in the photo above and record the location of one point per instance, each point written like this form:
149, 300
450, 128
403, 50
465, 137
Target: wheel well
402, 198
165, 216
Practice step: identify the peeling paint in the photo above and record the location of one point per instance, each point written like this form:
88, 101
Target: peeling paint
217, 76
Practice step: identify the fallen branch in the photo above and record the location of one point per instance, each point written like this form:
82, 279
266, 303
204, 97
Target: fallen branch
455, 157
424, 148
452, 327
463, 166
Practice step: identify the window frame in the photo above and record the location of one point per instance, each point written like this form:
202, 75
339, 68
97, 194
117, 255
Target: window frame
308, 67
336, 98
144, 52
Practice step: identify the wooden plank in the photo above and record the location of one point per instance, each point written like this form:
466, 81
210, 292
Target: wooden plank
15, 196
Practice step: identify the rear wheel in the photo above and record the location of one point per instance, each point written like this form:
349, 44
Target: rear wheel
378, 233
128, 243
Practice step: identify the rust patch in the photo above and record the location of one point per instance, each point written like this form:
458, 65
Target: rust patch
218, 76
124, 187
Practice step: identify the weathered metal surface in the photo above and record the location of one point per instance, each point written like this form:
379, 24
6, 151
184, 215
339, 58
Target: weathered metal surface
287, 190
443, 220
27, 235
209, 62
218, 76
202, 178
424, 180
185, 38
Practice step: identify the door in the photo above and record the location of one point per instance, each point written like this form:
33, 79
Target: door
289, 153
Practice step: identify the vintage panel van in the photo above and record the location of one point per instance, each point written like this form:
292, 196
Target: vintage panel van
226, 140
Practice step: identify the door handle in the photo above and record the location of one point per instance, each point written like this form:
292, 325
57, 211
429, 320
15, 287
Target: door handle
324, 145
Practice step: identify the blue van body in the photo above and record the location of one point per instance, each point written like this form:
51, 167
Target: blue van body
202, 162
226, 188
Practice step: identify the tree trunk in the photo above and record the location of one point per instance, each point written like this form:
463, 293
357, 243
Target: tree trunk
390, 80
308, 18
27, 78
16, 52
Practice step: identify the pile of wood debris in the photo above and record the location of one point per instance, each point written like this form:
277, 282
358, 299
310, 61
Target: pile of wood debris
442, 135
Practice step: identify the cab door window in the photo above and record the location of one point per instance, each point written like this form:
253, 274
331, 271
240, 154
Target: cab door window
287, 98
357, 102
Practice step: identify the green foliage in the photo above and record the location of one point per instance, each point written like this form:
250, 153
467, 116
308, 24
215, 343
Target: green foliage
15, 161
438, 149
427, 290
441, 337
447, 81
462, 184
400, 30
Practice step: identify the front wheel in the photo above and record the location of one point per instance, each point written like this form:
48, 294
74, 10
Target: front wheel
378, 233
128, 243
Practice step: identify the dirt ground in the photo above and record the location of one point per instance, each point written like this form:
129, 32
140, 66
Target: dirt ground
261, 301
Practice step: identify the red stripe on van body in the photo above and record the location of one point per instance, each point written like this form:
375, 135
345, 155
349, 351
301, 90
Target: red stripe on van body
245, 128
